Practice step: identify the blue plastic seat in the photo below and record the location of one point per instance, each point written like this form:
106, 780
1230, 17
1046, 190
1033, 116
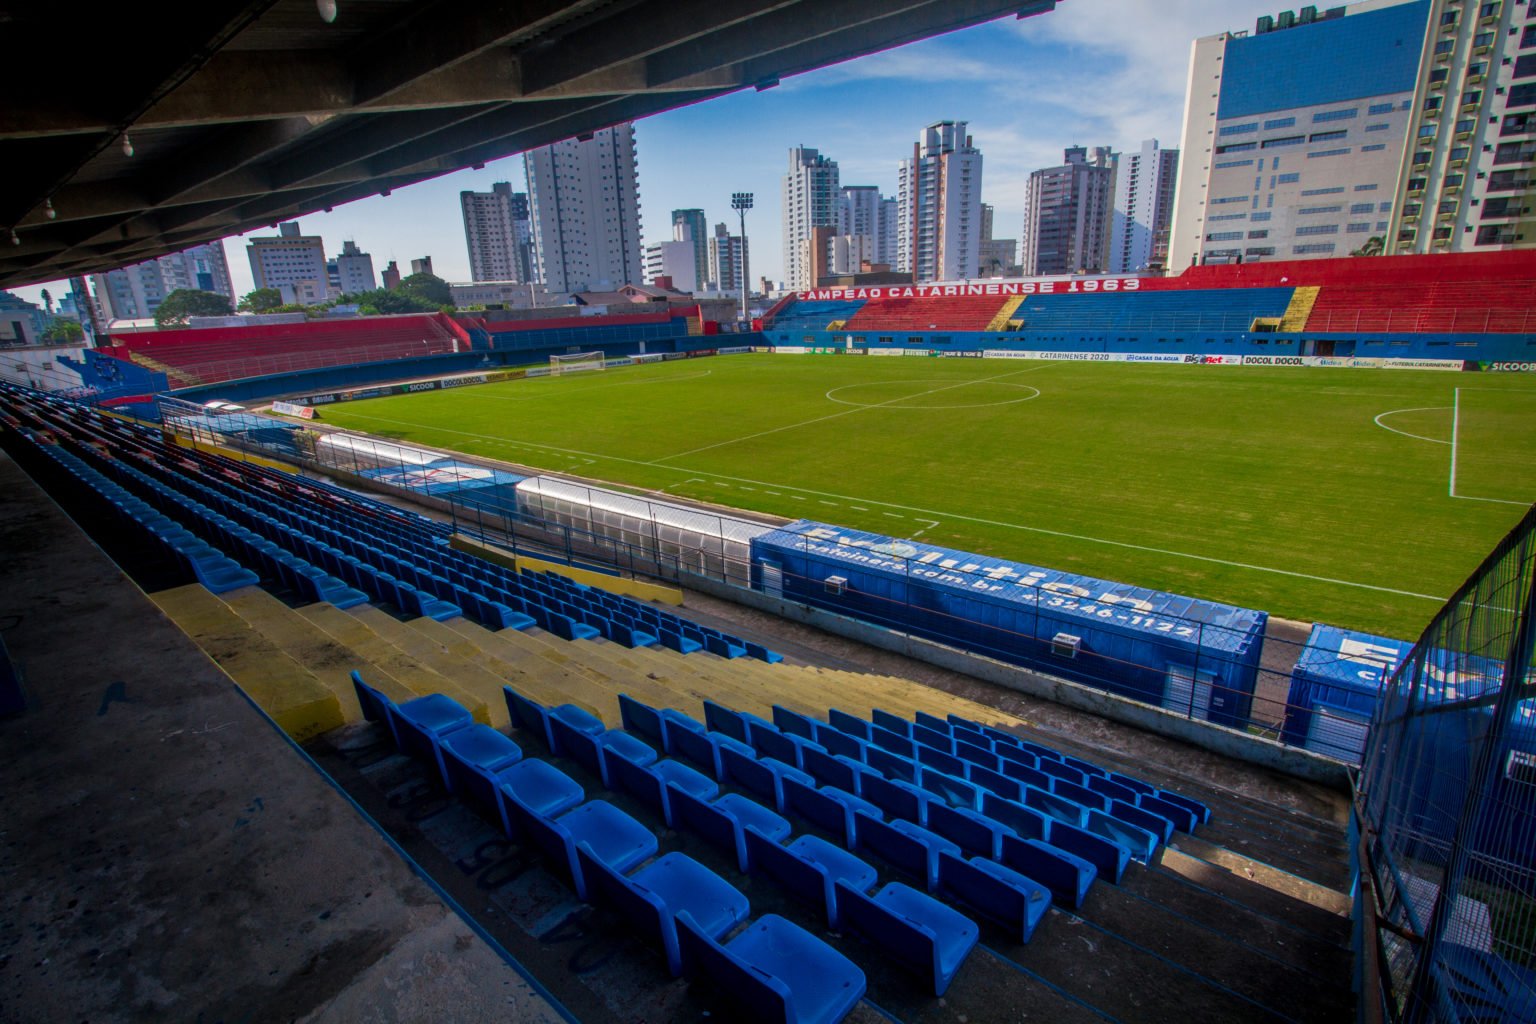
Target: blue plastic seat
470, 759
1067, 876
905, 846
939, 740
704, 749
1014, 901
642, 719
575, 719
676, 775
954, 791
1201, 811
1108, 857
1184, 819
675, 722
1114, 790
887, 720
373, 702
979, 756
721, 719
1057, 807
807, 868
612, 836
932, 757
774, 971
895, 742
638, 780
652, 898
1058, 770
995, 782
914, 928
1141, 842
835, 864
1158, 825
764, 777
891, 764
1024, 821
842, 721
723, 822
421, 723
928, 721
829, 769
794, 723
534, 787
896, 798
529, 715
971, 831
829, 808
616, 743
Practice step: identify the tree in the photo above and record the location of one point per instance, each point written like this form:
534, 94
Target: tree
262, 300
1374, 246
183, 303
429, 288
63, 331
381, 301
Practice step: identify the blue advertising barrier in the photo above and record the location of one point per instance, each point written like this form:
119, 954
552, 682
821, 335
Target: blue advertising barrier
1192, 657
1335, 689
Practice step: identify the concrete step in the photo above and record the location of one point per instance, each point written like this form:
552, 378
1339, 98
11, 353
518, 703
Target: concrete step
330, 660
417, 676
302, 705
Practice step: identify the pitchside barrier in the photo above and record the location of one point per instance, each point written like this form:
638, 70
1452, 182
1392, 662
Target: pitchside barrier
1348, 362
1445, 809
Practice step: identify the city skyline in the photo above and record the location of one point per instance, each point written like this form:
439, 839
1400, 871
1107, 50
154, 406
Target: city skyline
1091, 72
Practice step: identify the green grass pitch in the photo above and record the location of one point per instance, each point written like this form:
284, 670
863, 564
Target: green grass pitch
1315, 494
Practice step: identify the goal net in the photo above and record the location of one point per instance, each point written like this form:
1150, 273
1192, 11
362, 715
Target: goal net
575, 361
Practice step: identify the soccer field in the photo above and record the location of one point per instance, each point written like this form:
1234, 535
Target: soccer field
1315, 494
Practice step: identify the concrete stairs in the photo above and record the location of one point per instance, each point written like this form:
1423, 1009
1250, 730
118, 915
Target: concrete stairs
1295, 317
1005, 315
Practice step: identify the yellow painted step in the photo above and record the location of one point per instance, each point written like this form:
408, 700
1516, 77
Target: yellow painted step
331, 661
481, 684
525, 675
1299, 308
1000, 321
301, 705
420, 678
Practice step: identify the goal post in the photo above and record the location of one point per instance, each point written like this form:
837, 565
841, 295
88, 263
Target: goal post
575, 361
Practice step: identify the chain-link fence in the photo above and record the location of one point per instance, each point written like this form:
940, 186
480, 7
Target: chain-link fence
1446, 807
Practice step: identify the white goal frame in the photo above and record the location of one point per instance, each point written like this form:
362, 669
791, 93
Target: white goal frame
574, 361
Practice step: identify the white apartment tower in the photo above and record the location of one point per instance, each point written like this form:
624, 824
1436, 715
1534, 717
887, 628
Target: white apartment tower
810, 197
939, 205
727, 259
584, 206
1144, 184
1466, 182
292, 263
496, 231
354, 270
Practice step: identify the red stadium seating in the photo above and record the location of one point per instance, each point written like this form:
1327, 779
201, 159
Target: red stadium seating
208, 355
952, 313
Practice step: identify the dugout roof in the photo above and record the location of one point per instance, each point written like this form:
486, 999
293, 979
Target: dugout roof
241, 115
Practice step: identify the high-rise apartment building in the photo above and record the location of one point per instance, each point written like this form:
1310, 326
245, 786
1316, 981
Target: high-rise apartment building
422, 266
939, 205
672, 260
1466, 182
135, 292
584, 205
1143, 212
1067, 214
291, 262
693, 229
1295, 136
497, 234
727, 259
354, 270
809, 201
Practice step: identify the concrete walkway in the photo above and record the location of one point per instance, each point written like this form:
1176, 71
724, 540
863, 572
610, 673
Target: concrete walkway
167, 854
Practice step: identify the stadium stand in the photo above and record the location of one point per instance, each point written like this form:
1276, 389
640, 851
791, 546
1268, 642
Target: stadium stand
814, 316
208, 355
959, 312
1206, 310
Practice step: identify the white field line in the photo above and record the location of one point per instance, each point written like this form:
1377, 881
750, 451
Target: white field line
836, 415
1455, 428
942, 515
482, 393
1417, 437
1455, 425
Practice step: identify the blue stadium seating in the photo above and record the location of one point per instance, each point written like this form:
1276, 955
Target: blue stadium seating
1015, 901
912, 927
774, 970
610, 835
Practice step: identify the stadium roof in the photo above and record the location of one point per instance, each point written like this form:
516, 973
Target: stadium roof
240, 115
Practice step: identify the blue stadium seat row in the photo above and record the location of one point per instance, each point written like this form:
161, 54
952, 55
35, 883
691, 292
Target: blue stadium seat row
1225, 309
213, 569
736, 753
396, 559
744, 828
773, 968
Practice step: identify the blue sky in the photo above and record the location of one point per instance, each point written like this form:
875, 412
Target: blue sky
1093, 72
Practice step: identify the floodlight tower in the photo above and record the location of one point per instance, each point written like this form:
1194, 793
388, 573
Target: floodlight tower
741, 202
